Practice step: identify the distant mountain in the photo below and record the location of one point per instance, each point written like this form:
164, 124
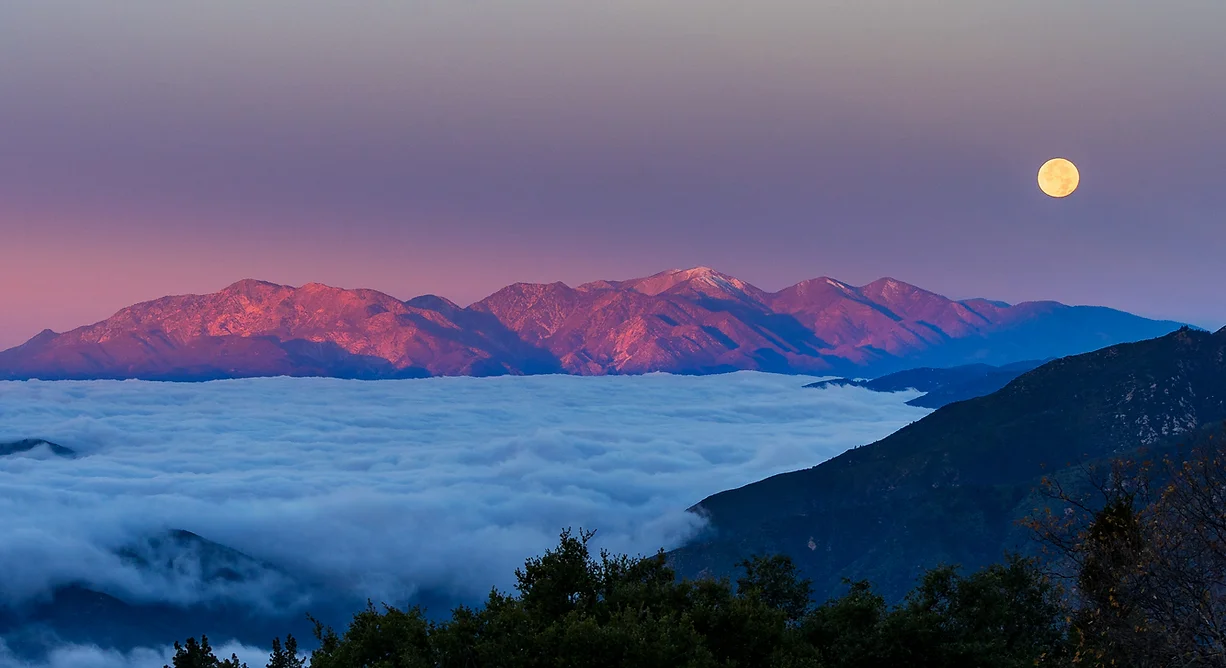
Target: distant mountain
681, 321
36, 447
253, 602
234, 597
253, 328
942, 386
948, 488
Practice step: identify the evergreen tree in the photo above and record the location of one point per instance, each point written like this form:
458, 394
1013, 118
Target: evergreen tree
192, 654
287, 656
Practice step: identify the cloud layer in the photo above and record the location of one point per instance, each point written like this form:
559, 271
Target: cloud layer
87, 656
388, 488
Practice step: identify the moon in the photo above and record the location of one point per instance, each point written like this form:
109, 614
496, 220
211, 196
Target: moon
1058, 177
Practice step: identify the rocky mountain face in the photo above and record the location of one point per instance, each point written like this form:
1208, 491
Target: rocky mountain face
949, 488
253, 328
682, 321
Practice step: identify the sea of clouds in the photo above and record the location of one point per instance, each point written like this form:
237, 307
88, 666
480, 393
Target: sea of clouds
387, 488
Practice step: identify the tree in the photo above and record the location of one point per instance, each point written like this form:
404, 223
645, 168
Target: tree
1146, 550
774, 581
393, 638
847, 631
561, 580
287, 656
192, 654
1005, 615
1185, 576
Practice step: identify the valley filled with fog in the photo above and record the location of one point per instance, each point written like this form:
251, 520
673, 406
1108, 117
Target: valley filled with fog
393, 490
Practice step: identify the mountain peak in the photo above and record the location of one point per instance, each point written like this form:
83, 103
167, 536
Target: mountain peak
702, 278
252, 282
434, 303
893, 292
45, 335
889, 283
692, 272
249, 286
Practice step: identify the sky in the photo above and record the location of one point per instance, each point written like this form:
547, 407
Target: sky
452, 147
446, 484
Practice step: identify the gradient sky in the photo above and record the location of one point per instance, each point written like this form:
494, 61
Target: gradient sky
453, 146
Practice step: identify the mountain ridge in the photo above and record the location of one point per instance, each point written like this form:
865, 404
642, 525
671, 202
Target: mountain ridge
695, 320
948, 488
940, 386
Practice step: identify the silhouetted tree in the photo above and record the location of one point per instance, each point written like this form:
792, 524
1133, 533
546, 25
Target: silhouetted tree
573, 609
192, 654
1005, 615
1146, 550
1185, 572
287, 656
393, 638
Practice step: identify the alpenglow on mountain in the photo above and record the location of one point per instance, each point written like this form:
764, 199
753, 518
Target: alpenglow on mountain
689, 321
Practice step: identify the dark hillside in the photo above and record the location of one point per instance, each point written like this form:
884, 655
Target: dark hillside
947, 488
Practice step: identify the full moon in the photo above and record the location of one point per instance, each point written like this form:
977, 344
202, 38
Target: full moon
1058, 177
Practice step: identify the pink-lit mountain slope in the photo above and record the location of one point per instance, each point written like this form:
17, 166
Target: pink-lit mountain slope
682, 321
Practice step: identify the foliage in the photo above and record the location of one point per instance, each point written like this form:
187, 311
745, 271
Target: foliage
775, 582
1006, 615
573, 608
389, 639
1146, 551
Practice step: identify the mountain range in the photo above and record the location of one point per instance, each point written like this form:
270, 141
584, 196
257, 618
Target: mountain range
949, 488
689, 321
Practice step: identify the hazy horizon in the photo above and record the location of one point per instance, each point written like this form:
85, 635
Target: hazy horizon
452, 148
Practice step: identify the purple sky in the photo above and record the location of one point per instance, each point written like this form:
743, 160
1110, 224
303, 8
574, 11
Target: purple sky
151, 148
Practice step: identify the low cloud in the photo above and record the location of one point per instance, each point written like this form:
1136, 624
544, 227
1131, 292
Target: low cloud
91, 656
388, 488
